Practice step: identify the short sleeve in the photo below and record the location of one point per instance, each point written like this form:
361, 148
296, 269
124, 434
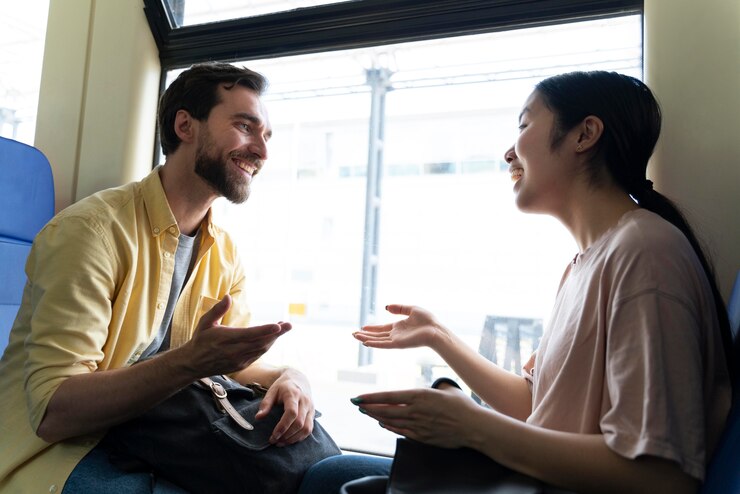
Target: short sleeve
654, 381
528, 370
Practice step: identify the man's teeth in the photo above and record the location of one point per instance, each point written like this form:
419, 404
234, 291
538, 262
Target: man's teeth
516, 175
247, 167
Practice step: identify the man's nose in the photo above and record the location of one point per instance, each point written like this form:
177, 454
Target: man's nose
258, 147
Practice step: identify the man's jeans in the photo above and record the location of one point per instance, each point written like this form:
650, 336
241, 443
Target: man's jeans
96, 475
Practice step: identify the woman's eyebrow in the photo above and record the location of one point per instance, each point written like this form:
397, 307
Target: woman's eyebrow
525, 110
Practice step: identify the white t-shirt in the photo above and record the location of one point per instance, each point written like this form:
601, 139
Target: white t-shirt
633, 350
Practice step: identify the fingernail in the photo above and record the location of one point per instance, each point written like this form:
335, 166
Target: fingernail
386, 307
356, 401
362, 410
381, 424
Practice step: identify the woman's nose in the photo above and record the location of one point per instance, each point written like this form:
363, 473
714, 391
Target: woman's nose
510, 155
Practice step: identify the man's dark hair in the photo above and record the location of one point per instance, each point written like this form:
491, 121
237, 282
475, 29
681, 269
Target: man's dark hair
196, 91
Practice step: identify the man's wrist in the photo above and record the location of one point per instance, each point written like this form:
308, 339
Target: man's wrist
298, 378
180, 367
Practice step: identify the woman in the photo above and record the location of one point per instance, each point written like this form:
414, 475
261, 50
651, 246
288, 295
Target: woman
629, 388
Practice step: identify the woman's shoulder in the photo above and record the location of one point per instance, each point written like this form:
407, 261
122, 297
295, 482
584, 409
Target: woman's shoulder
643, 233
649, 251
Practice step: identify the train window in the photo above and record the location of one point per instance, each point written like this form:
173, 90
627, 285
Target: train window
386, 184
193, 12
22, 34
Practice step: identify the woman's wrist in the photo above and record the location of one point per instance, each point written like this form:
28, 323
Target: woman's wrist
442, 338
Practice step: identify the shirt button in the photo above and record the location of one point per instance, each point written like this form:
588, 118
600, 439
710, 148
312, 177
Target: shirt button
166, 255
53, 488
160, 306
173, 230
156, 231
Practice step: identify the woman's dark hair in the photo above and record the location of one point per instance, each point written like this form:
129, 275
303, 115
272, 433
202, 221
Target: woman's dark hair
196, 90
631, 118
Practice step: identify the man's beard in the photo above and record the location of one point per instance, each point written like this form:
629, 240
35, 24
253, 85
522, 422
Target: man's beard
214, 171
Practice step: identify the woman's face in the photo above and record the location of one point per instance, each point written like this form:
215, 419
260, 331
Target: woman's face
540, 173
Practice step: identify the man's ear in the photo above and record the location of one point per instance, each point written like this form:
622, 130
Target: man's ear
589, 132
185, 126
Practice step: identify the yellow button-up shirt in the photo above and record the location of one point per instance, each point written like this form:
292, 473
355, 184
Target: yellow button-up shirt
99, 277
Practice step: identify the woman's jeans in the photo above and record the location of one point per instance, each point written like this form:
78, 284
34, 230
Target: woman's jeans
330, 474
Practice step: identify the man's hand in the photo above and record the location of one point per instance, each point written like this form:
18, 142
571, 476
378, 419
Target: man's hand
292, 390
216, 349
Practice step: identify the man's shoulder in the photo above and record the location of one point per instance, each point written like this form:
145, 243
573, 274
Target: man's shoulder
103, 206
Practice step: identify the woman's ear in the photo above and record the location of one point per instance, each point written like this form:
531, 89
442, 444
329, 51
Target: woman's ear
185, 126
589, 132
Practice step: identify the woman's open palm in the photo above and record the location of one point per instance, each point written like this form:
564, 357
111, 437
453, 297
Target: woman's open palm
417, 330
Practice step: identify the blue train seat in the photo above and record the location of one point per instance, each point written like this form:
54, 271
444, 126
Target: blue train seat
26, 204
723, 474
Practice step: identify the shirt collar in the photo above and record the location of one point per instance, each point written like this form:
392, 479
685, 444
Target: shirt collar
158, 209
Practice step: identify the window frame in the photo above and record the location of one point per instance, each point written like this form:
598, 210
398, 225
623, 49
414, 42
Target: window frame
359, 24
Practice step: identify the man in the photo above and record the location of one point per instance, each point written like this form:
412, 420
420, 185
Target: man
141, 271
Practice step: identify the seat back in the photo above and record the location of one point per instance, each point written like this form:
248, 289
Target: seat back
733, 308
723, 473
26, 204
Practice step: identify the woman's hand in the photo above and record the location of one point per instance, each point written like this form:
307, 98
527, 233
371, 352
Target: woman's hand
441, 417
420, 328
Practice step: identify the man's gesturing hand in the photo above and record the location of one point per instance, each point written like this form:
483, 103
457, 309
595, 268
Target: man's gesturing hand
216, 349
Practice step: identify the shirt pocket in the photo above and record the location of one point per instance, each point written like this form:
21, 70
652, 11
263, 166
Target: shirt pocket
238, 314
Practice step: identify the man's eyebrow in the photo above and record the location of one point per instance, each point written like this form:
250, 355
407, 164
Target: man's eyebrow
248, 116
254, 119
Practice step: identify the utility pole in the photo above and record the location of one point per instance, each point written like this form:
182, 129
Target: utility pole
379, 81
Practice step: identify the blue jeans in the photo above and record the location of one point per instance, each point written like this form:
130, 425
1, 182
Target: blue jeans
95, 474
330, 474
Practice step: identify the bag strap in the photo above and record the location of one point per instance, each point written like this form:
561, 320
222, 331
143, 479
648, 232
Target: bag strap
219, 394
